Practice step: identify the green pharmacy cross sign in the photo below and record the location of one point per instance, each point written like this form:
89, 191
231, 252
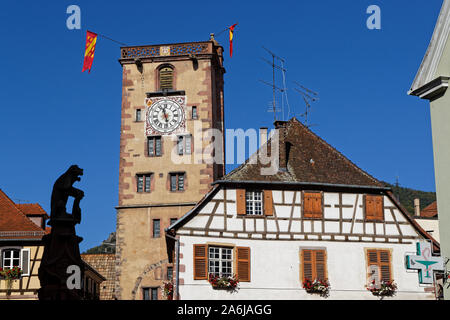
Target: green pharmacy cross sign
425, 262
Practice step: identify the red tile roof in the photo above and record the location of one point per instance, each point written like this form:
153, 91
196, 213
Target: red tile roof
430, 211
14, 224
104, 263
32, 209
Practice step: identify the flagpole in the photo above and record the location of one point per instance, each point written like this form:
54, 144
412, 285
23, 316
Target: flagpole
103, 36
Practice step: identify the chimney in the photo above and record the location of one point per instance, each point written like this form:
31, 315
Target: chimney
280, 126
262, 136
417, 207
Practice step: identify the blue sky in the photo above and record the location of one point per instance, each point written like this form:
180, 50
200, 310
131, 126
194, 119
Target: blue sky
52, 115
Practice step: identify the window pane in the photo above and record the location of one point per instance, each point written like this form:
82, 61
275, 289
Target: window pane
194, 112
181, 182
151, 147
253, 202
180, 145
146, 294
173, 182
154, 293
157, 146
147, 183
188, 144
156, 227
138, 114
169, 273
140, 183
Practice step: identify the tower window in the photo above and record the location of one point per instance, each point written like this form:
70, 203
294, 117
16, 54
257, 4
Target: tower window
166, 78
154, 146
156, 228
184, 145
138, 115
144, 182
150, 293
177, 181
194, 113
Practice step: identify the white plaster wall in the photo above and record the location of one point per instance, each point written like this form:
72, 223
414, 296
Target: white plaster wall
275, 270
428, 225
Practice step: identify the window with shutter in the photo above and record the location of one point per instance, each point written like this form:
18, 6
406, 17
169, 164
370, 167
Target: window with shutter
218, 260
166, 78
253, 202
243, 263
312, 205
314, 264
382, 260
200, 262
374, 208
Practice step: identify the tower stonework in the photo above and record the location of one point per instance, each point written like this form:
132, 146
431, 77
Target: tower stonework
172, 106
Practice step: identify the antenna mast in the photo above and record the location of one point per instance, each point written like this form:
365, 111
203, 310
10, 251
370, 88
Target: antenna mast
274, 87
307, 95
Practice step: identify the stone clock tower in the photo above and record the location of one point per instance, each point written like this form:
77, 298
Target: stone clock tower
171, 150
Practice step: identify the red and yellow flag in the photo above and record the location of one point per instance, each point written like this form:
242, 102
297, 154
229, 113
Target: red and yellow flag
91, 40
231, 38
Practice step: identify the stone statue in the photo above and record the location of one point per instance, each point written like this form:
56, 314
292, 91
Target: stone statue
62, 190
61, 246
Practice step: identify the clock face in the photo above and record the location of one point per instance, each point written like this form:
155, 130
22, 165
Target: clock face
165, 116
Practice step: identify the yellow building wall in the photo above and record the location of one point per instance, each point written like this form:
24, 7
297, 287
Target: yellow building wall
26, 287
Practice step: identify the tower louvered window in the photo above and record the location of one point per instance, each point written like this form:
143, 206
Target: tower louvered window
166, 78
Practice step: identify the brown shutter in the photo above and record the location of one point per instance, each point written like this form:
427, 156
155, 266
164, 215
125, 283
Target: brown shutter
317, 205
307, 264
382, 259
240, 201
307, 205
320, 264
200, 261
268, 203
243, 264
379, 210
385, 265
370, 208
312, 202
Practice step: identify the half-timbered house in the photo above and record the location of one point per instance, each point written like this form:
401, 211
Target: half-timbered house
318, 217
22, 226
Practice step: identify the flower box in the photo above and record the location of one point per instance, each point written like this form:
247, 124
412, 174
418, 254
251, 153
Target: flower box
224, 283
385, 289
320, 287
168, 290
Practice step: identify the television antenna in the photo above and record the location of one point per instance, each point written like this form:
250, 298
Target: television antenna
308, 96
273, 85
